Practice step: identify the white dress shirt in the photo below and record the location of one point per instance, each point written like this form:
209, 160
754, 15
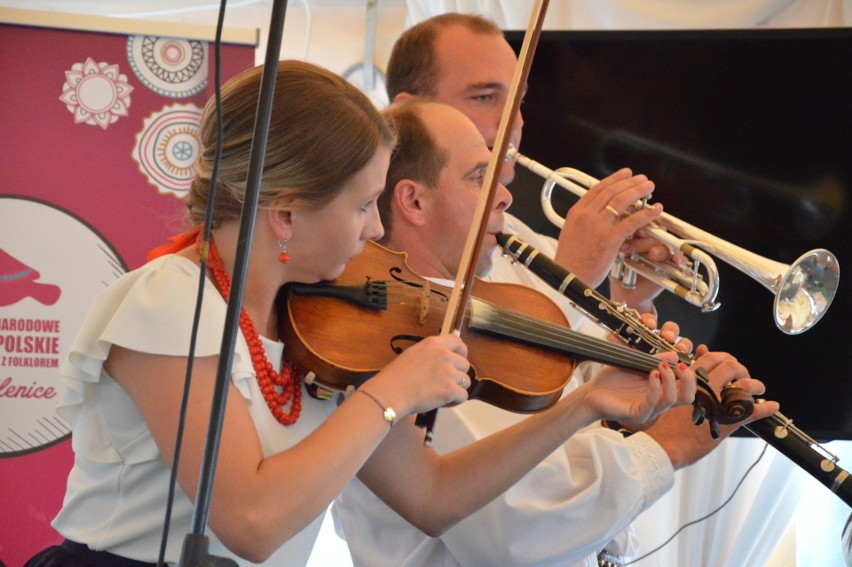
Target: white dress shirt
561, 513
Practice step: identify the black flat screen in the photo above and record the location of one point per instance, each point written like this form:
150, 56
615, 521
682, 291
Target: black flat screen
748, 135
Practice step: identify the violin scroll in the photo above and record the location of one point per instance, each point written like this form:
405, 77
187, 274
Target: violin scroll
735, 405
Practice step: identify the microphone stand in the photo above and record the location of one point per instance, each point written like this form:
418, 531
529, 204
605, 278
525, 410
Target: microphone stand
195, 544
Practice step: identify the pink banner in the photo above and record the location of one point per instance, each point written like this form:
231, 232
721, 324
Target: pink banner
100, 137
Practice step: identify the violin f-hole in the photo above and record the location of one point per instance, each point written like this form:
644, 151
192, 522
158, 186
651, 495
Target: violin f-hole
398, 349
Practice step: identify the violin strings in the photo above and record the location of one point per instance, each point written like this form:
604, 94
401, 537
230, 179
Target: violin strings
537, 331
513, 323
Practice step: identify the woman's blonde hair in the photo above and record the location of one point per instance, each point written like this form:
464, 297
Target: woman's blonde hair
323, 130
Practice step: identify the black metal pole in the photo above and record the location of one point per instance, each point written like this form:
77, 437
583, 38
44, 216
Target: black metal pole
194, 552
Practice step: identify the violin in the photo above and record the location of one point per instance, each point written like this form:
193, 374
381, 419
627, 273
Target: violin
347, 330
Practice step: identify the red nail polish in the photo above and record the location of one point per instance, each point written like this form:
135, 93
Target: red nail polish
665, 364
681, 366
655, 374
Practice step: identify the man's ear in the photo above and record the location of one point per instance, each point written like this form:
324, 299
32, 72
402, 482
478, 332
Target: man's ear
411, 201
402, 96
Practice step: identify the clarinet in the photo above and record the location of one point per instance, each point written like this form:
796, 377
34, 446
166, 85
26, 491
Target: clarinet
776, 430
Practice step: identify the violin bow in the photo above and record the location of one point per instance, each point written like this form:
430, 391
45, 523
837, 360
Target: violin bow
460, 295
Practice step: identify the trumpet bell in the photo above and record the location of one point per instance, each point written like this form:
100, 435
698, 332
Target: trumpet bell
805, 292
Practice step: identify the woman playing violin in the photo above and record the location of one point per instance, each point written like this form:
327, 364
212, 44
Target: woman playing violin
283, 455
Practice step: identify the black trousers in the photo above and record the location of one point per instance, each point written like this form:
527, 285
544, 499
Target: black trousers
73, 554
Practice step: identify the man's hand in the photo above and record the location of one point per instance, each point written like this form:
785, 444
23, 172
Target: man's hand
686, 443
596, 227
641, 297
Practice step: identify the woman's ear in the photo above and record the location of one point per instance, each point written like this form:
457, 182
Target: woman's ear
281, 222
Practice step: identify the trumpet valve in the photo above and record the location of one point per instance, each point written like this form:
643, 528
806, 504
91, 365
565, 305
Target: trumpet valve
622, 273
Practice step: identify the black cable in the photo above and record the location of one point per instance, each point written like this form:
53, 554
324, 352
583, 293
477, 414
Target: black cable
202, 279
705, 517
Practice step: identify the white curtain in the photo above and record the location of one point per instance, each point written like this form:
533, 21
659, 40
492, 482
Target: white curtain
743, 532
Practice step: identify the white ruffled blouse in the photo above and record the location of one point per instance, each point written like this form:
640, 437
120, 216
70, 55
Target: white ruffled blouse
117, 488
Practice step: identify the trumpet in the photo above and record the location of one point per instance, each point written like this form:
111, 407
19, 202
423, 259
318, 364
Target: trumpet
803, 290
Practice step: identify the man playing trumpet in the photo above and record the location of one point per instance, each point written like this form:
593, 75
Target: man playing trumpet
464, 61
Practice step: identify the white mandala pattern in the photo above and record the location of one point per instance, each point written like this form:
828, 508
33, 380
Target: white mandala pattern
96, 93
168, 146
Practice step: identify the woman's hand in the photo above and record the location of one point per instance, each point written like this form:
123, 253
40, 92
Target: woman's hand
428, 375
669, 332
629, 397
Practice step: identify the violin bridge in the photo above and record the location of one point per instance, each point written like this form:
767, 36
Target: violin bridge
423, 303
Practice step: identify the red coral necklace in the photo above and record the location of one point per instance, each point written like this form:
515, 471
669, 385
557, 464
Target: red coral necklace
278, 389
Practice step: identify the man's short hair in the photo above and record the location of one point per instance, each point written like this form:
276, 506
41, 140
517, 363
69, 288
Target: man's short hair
416, 155
411, 67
